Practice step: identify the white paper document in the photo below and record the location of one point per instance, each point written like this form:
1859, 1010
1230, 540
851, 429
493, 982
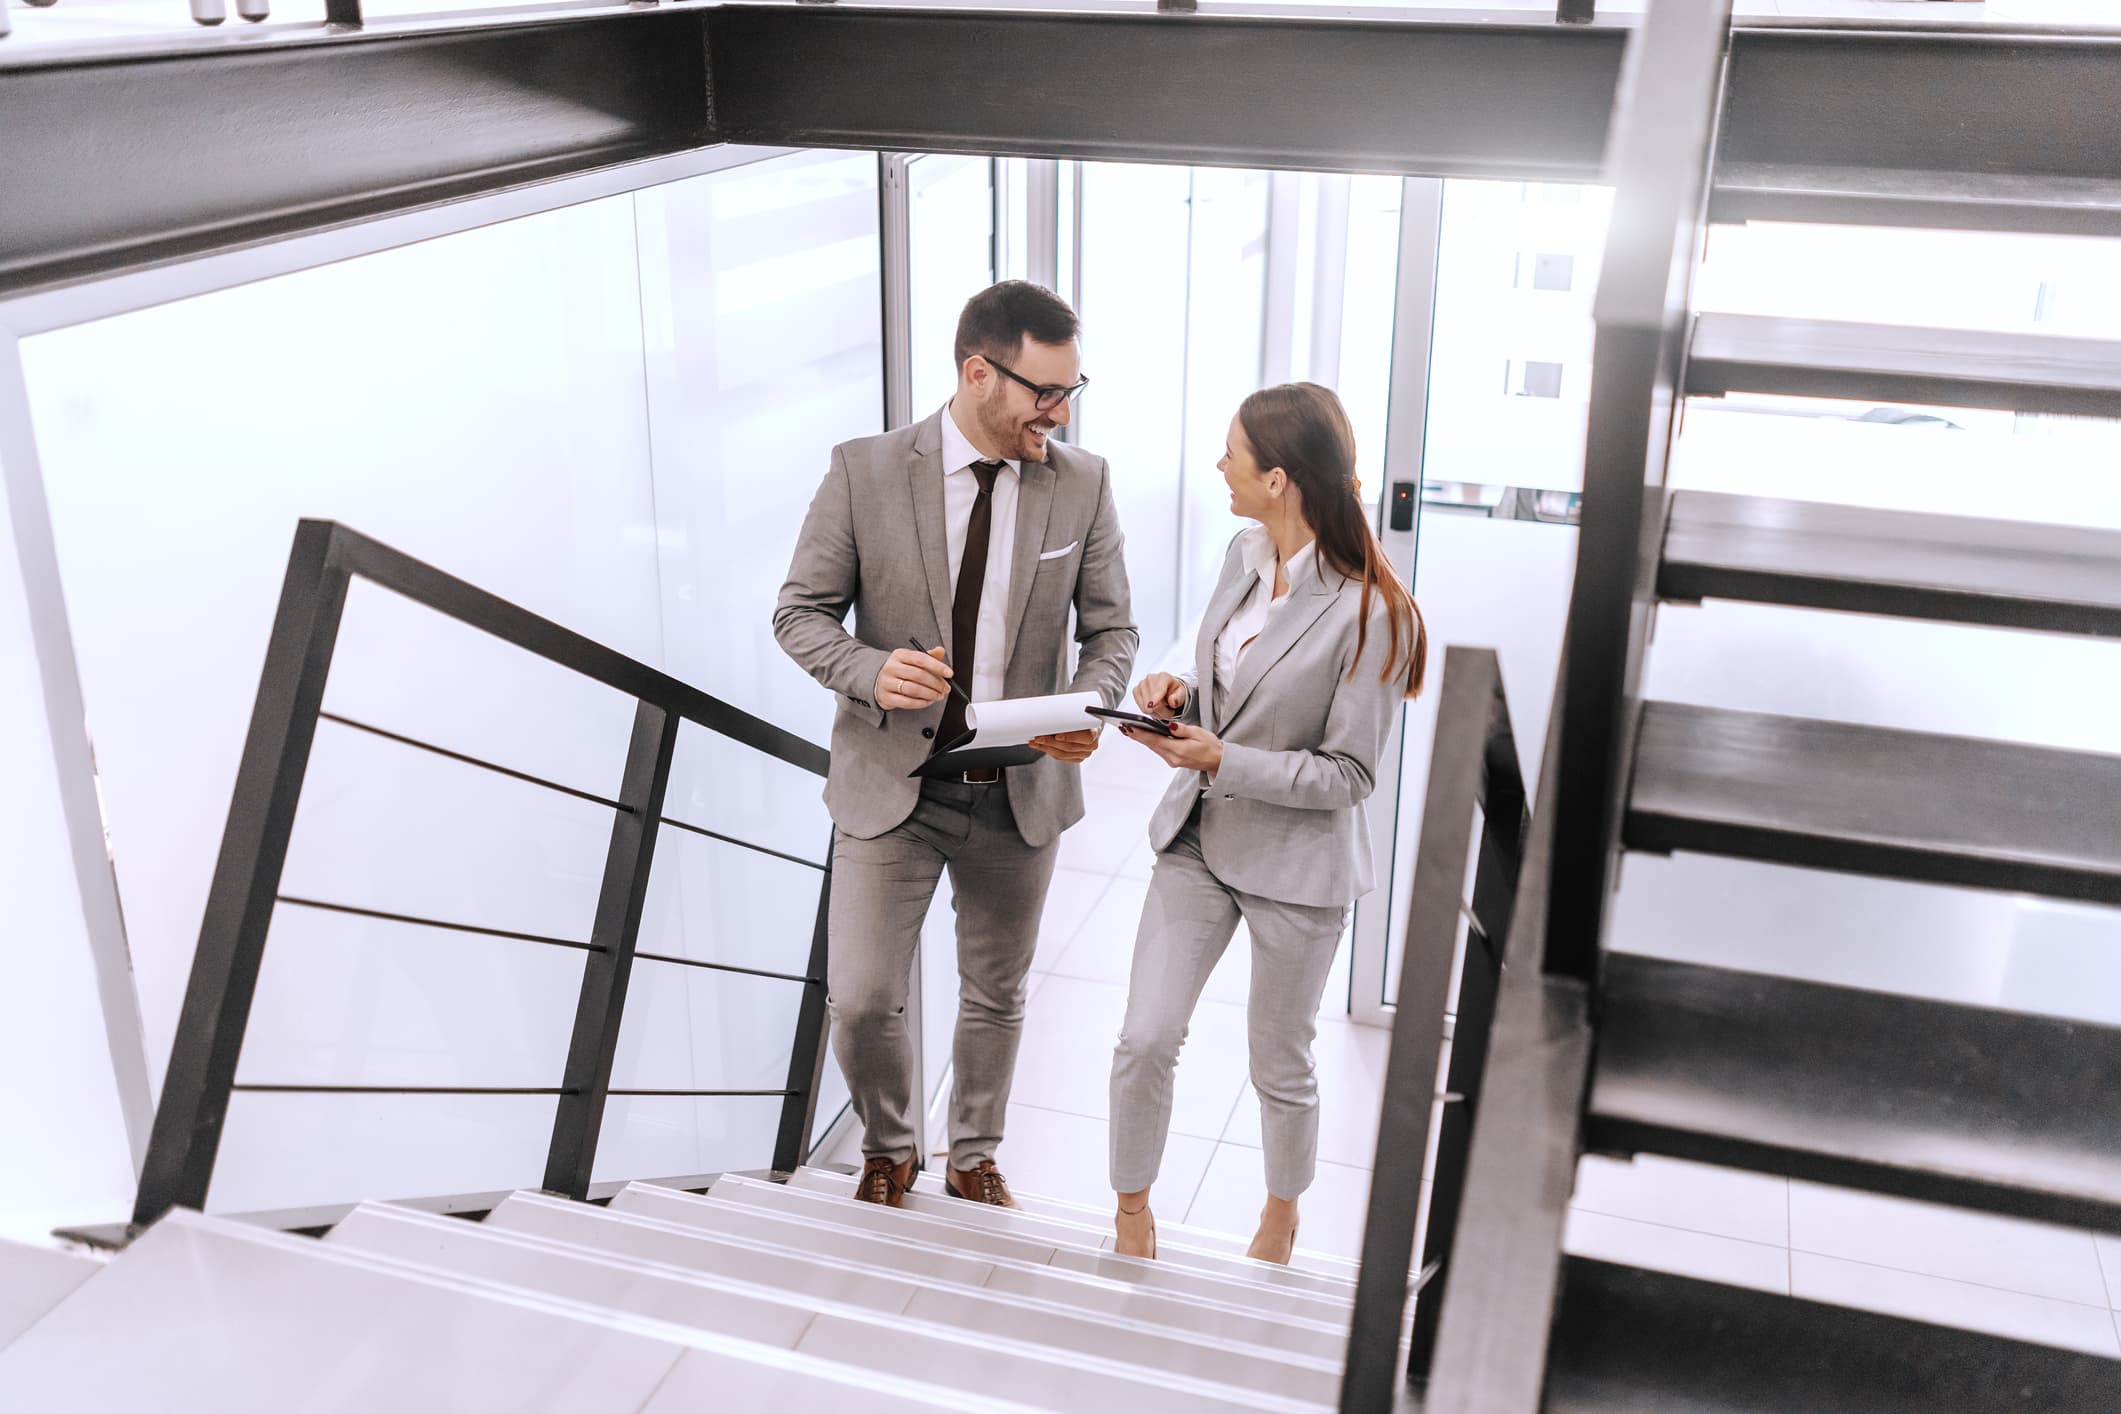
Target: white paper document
1016, 720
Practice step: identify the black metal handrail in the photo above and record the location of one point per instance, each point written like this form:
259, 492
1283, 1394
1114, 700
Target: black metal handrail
1473, 767
1664, 132
326, 558
1498, 1311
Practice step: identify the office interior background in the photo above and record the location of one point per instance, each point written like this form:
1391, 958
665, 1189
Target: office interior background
614, 412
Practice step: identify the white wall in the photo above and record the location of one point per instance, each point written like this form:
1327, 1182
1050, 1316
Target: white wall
66, 1158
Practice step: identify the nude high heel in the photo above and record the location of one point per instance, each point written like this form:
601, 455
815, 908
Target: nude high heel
1150, 1255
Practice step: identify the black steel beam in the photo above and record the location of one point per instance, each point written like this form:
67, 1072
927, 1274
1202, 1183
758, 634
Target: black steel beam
1973, 812
1975, 128
1929, 99
131, 157
1528, 99
1972, 1106
1634, 1340
131, 152
1664, 134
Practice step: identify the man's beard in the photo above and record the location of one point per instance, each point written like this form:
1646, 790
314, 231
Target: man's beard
1012, 436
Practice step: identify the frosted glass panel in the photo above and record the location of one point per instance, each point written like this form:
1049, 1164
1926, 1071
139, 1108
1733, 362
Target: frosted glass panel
344, 1000
388, 827
1226, 320
950, 226
1365, 379
2051, 689
717, 902
689, 1028
727, 787
475, 401
51, 1012
288, 1151
759, 299
1968, 946
662, 1137
1931, 279
1510, 380
1950, 461
1501, 584
407, 669
1135, 242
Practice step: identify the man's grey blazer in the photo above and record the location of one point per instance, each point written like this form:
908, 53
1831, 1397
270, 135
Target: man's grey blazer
1286, 817
874, 542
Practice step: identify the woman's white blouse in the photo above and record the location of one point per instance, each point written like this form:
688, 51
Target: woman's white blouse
1259, 602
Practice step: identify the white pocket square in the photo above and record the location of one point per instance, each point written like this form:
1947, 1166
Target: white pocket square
1066, 549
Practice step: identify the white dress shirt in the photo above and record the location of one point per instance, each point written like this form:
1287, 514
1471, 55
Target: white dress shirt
960, 490
1259, 602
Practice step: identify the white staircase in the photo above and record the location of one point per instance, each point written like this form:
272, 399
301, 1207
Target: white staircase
753, 1295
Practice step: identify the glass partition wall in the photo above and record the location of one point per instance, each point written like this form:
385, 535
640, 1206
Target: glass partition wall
612, 410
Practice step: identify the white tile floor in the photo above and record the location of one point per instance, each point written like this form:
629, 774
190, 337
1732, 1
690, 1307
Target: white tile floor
1969, 1269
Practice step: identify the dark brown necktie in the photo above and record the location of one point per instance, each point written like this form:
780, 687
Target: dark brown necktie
964, 607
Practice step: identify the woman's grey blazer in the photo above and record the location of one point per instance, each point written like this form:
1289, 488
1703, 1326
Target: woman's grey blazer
1286, 816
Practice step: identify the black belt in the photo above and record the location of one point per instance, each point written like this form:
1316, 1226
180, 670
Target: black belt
984, 776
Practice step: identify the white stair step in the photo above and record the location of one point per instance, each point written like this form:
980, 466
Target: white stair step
894, 1342
1201, 1238
33, 1280
213, 1317
1228, 1320
1171, 1247
1137, 1337
870, 1217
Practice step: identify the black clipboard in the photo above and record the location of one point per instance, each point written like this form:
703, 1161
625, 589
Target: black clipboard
966, 754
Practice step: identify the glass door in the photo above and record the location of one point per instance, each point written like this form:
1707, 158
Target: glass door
1489, 393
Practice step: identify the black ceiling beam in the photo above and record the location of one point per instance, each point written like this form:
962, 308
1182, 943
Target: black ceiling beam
2041, 101
130, 156
163, 147
1955, 127
1435, 97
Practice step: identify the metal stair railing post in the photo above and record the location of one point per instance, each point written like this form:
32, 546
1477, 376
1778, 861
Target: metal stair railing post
807, 1058
1473, 766
1658, 160
186, 1137
578, 1119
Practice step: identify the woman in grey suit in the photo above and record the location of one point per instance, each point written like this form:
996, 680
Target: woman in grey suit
1305, 653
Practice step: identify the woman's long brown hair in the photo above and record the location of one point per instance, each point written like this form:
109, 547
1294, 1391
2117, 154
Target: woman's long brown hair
1303, 429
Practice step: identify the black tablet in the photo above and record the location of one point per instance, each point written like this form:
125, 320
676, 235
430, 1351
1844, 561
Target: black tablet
1133, 719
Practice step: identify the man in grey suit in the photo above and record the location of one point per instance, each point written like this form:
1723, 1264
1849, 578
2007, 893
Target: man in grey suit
973, 534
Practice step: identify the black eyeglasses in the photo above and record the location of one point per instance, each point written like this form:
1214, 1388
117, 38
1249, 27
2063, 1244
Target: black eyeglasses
1048, 396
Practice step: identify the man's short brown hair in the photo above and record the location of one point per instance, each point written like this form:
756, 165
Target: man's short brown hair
996, 320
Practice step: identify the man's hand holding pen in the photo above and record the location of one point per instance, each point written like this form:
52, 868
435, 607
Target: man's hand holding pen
911, 679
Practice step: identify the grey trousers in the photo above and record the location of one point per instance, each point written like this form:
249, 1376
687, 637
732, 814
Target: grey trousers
881, 890
1186, 924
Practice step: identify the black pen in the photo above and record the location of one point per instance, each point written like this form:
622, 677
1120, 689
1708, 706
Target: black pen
951, 680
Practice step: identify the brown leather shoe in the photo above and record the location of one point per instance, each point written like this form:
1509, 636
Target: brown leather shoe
884, 1182
982, 1183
